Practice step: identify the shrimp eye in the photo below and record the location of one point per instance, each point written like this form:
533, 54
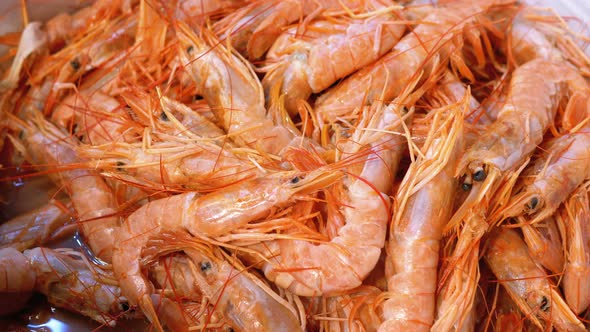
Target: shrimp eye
544, 304
75, 64
120, 165
21, 135
533, 203
125, 306
205, 266
190, 49
295, 180
163, 116
480, 175
466, 186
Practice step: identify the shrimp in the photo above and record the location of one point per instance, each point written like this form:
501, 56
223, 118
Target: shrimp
544, 243
210, 215
505, 146
91, 197
239, 296
233, 92
415, 233
199, 166
199, 10
311, 66
309, 269
576, 215
254, 28
35, 227
552, 177
69, 281
16, 281
94, 117
414, 55
527, 284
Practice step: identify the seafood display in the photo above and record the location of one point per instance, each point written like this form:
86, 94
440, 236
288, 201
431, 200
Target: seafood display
297, 165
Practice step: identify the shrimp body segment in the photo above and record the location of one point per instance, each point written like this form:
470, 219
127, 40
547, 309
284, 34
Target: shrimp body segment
527, 284
16, 281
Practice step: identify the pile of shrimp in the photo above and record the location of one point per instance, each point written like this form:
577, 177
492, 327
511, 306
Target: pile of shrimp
299, 165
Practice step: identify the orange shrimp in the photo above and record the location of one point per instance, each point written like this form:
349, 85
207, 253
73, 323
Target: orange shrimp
552, 177
527, 284
95, 118
576, 215
413, 56
415, 232
71, 282
521, 123
311, 65
200, 10
199, 166
233, 92
309, 269
35, 227
213, 214
240, 297
95, 205
17, 281
544, 243
253, 29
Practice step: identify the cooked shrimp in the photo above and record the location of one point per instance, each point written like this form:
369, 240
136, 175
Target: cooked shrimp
242, 299
234, 93
16, 281
70, 282
199, 10
552, 177
199, 166
527, 284
309, 269
415, 232
210, 215
414, 54
254, 28
521, 123
576, 215
94, 117
35, 227
95, 205
312, 65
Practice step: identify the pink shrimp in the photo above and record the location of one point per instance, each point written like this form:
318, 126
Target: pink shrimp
527, 284
254, 28
312, 65
231, 88
242, 299
71, 282
35, 227
416, 232
16, 281
95, 205
209, 215
414, 54
576, 215
309, 269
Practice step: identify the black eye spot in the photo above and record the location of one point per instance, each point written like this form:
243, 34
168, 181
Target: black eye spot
21, 135
190, 49
533, 203
205, 266
75, 64
480, 175
125, 306
120, 165
466, 186
295, 180
545, 304
163, 116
